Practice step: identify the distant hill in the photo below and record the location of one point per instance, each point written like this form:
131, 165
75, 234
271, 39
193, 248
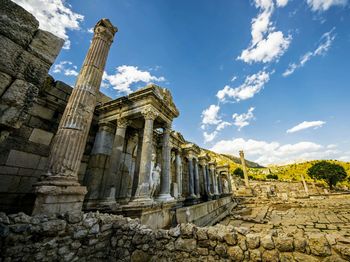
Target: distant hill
233, 161
237, 160
292, 172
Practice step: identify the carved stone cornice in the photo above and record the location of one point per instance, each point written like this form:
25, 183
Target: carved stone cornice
149, 113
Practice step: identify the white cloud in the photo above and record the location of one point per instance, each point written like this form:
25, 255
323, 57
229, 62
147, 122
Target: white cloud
326, 42
267, 44
53, 16
251, 86
323, 5
273, 152
65, 67
244, 119
281, 3
208, 137
268, 49
306, 125
222, 125
210, 115
126, 76
90, 30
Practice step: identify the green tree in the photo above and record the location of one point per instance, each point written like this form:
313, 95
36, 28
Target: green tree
329, 172
238, 172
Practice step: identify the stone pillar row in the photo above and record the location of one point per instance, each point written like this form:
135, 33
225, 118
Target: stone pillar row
60, 190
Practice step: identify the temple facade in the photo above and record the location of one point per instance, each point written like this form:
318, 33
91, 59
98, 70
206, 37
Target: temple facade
71, 149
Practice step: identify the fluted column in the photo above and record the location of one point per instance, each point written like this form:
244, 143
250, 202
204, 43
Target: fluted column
219, 182
191, 178
246, 180
164, 194
207, 173
60, 190
196, 179
142, 195
112, 181
178, 167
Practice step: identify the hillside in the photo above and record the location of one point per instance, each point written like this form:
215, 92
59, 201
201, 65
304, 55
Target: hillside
292, 172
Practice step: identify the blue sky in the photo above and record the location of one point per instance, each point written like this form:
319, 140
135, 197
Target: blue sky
267, 76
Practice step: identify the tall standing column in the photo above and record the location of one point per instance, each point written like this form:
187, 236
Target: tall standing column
142, 194
60, 190
111, 181
196, 179
178, 167
164, 194
246, 180
304, 184
191, 178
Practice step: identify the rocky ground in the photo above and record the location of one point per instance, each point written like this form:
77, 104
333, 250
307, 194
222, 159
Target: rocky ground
293, 217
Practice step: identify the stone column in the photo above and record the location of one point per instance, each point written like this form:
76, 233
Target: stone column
196, 179
246, 180
191, 178
219, 184
60, 190
204, 177
142, 195
304, 184
164, 194
178, 167
208, 181
111, 180
97, 166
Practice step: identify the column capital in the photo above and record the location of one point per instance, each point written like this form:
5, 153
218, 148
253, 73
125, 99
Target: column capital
167, 127
105, 30
106, 126
149, 113
123, 122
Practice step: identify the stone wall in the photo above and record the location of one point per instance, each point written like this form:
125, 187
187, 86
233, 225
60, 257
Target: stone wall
96, 237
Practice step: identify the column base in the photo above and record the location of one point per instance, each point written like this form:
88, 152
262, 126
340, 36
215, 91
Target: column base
141, 201
165, 198
60, 198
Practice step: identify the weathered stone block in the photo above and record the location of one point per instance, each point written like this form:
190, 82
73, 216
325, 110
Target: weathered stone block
9, 52
284, 243
46, 46
235, 253
185, 244
32, 69
16, 23
41, 136
22, 159
7, 170
42, 112
9, 183
319, 245
5, 81
16, 102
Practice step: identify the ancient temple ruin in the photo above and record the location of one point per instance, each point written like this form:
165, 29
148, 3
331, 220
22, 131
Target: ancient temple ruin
61, 152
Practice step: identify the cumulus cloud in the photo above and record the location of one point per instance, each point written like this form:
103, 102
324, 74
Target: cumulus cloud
251, 86
306, 125
243, 120
267, 44
267, 153
210, 116
125, 76
208, 137
65, 67
325, 44
54, 16
323, 5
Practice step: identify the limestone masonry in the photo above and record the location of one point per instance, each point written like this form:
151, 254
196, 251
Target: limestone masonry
87, 178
